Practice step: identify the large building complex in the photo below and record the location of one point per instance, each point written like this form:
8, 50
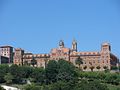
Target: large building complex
102, 58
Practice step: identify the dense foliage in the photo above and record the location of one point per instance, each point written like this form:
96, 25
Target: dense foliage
58, 75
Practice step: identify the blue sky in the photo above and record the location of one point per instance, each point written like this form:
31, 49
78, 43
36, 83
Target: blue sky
38, 25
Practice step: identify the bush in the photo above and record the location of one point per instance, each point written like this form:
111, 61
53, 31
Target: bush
32, 87
90, 85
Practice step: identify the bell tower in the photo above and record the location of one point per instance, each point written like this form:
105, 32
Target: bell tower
105, 54
61, 44
106, 47
18, 56
74, 45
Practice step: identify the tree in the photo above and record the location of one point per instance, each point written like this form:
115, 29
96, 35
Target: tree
14, 70
60, 85
20, 73
8, 78
79, 61
26, 71
51, 71
113, 78
66, 71
114, 68
90, 85
38, 75
32, 87
4, 68
98, 67
60, 71
92, 67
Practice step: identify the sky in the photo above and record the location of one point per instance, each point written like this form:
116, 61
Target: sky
38, 25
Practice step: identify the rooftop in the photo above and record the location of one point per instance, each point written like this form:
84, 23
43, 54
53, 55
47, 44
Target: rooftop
7, 46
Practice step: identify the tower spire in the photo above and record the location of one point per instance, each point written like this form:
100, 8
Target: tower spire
61, 43
74, 45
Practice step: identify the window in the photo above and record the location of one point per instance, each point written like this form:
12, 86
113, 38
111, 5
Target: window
104, 49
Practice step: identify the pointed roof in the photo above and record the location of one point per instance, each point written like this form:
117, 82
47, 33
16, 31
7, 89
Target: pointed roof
74, 41
61, 43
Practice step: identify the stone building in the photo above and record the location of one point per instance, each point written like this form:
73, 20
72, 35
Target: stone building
7, 52
4, 60
102, 58
18, 56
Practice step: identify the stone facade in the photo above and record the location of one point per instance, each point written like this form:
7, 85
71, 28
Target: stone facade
102, 58
18, 56
4, 60
7, 51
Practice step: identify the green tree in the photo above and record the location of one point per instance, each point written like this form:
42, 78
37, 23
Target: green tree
20, 73
26, 71
114, 68
38, 75
79, 61
4, 68
51, 71
90, 85
32, 87
8, 78
60, 85
66, 71
61, 70
113, 78
14, 70
118, 88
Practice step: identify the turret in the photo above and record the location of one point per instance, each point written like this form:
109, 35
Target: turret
106, 47
74, 45
105, 55
61, 44
18, 56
